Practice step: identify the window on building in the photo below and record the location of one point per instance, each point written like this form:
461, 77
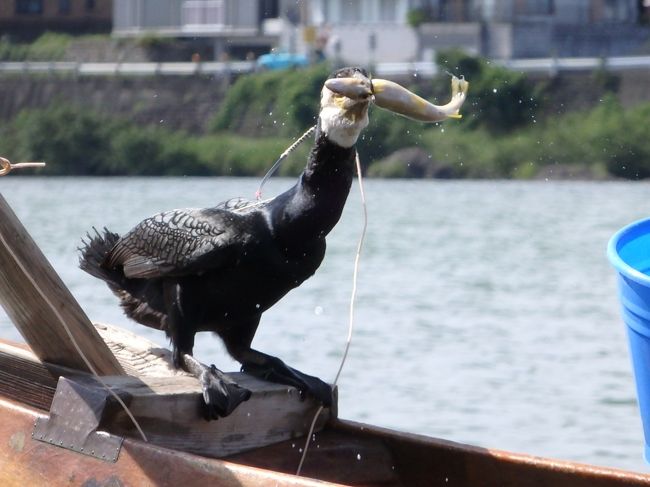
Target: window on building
535, 7
269, 9
644, 11
351, 11
388, 10
29, 7
64, 7
617, 11
542, 7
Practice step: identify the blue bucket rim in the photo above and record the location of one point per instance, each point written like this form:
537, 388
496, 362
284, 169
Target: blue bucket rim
619, 264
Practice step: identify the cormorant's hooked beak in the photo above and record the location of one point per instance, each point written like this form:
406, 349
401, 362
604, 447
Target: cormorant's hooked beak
396, 98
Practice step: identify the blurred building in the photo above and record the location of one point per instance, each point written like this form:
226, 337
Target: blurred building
405, 30
233, 28
28, 19
365, 31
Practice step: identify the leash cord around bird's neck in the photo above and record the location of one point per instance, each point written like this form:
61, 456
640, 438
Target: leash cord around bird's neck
276, 164
56, 313
353, 298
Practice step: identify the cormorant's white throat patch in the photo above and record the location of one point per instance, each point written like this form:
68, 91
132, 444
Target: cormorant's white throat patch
341, 118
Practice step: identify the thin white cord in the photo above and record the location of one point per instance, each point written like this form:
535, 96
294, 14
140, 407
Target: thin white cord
276, 164
90, 366
353, 297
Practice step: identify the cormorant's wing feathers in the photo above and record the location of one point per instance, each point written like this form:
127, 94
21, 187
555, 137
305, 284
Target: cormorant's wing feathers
243, 205
234, 204
175, 242
138, 266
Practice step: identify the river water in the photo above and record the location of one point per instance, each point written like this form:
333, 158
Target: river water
486, 311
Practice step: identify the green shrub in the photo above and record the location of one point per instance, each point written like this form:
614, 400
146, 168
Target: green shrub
624, 142
71, 140
499, 99
50, 46
10, 51
387, 133
272, 103
153, 151
417, 16
226, 154
76, 141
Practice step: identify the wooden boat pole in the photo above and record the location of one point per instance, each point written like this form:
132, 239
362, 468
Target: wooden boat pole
41, 306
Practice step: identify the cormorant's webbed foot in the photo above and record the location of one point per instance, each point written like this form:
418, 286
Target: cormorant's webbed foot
275, 370
221, 395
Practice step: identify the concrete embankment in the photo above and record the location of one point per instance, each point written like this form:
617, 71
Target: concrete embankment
189, 102
186, 102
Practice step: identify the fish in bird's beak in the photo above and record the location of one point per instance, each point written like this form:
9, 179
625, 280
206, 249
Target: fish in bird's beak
391, 96
343, 117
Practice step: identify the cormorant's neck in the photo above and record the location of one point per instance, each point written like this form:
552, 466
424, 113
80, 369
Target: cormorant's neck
328, 165
314, 205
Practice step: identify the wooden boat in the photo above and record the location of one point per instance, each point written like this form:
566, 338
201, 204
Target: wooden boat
61, 425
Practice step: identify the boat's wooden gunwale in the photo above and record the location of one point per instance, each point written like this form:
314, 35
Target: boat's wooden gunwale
345, 452
24, 461
396, 458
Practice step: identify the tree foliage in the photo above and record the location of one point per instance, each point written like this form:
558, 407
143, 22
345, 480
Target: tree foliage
500, 99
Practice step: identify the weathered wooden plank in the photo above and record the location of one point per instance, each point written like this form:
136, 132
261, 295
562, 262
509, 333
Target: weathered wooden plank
25, 378
334, 456
26, 462
42, 307
168, 410
137, 355
168, 405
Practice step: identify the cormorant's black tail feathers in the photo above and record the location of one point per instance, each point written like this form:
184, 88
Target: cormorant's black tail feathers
141, 300
93, 252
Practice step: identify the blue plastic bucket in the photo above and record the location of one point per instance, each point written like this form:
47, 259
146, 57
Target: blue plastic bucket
629, 252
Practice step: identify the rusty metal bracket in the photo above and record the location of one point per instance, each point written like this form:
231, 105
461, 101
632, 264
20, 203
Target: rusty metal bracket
75, 415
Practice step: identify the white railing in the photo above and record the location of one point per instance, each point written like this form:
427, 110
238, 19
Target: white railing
424, 69
129, 69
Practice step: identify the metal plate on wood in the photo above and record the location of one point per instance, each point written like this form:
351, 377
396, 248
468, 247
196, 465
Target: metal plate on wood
75, 415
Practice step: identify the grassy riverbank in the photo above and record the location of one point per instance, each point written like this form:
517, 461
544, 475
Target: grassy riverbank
512, 128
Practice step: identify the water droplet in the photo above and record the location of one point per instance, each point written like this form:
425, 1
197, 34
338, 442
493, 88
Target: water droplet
358, 456
318, 310
442, 131
494, 90
415, 75
257, 306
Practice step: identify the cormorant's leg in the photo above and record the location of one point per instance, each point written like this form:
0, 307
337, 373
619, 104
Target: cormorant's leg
179, 332
238, 340
221, 395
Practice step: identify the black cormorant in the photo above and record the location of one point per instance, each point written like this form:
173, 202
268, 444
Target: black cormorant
218, 269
